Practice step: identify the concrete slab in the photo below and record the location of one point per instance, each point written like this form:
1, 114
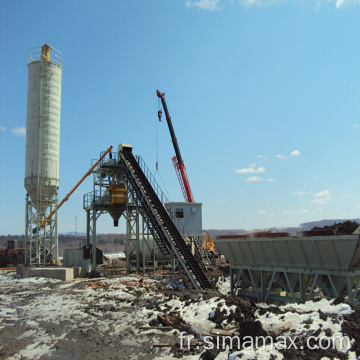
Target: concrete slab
64, 274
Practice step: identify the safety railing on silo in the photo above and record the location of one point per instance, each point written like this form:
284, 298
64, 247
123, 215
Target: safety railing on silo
35, 54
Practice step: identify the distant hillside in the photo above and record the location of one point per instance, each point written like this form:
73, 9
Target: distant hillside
214, 232
108, 243
314, 224
113, 243
291, 229
73, 233
323, 223
342, 228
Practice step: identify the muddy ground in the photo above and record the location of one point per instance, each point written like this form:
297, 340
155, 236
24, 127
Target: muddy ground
104, 318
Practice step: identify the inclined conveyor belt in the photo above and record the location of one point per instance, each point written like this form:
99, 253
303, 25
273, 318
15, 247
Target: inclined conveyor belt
160, 224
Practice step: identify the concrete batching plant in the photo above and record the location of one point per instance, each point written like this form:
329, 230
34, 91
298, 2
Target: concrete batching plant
42, 154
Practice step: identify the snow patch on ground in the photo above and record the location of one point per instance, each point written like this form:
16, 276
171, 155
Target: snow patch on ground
109, 305
264, 353
119, 255
324, 305
223, 285
175, 284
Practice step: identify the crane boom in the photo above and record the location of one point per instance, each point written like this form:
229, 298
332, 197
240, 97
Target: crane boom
177, 160
66, 198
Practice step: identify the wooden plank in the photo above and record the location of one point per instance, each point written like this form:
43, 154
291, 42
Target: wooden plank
236, 327
166, 319
220, 332
156, 328
162, 345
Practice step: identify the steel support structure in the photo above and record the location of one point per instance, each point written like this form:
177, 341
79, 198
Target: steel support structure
158, 220
140, 253
41, 236
132, 245
293, 268
138, 211
293, 285
92, 215
98, 202
137, 245
146, 247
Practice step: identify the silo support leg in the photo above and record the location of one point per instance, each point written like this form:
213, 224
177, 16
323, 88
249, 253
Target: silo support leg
56, 245
27, 245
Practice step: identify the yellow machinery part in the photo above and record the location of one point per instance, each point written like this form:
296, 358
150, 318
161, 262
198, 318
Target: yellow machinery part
208, 244
45, 52
117, 194
118, 198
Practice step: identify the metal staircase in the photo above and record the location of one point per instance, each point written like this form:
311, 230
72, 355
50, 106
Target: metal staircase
157, 218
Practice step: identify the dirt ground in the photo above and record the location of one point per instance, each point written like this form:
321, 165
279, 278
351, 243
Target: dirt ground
122, 316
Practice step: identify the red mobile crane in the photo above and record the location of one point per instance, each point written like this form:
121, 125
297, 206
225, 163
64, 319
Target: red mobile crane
177, 160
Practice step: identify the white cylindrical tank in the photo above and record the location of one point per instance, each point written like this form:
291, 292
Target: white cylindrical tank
43, 125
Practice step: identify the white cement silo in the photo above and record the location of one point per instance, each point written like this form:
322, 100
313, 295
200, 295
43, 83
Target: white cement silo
42, 155
43, 125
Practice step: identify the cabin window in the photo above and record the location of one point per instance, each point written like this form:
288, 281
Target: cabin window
179, 213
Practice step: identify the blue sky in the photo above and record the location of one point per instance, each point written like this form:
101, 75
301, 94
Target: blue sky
264, 98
